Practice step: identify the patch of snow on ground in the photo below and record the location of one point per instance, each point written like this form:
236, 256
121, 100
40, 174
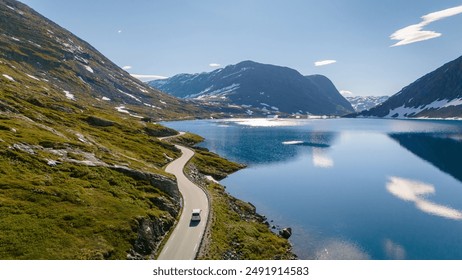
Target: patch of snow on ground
402, 112
435, 104
122, 109
106, 98
163, 102
81, 59
221, 91
143, 90
409, 111
89, 69
454, 102
8, 77
130, 95
35, 78
210, 178
69, 95
33, 43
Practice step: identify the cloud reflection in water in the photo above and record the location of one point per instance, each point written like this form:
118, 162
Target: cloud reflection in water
321, 159
415, 191
393, 250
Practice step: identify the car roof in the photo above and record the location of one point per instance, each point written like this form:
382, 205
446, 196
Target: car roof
197, 210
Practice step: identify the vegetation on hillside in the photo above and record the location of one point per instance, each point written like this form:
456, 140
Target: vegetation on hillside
80, 185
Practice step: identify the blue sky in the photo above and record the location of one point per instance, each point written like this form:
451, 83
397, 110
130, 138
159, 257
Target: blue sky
154, 37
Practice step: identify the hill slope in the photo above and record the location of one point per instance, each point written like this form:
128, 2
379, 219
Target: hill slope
260, 86
44, 60
435, 95
78, 179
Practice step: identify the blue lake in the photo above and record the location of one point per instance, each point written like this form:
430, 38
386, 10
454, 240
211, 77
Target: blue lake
349, 188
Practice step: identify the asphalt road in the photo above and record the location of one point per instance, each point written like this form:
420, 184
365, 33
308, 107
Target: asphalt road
186, 237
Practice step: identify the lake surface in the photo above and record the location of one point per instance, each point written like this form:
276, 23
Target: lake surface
349, 188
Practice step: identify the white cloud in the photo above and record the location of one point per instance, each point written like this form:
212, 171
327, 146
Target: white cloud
127, 67
414, 33
146, 78
324, 62
120, 31
345, 92
214, 65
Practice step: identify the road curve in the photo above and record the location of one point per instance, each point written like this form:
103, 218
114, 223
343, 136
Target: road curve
186, 237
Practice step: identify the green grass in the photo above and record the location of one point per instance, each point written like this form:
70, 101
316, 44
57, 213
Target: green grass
237, 231
187, 139
69, 211
211, 164
74, 211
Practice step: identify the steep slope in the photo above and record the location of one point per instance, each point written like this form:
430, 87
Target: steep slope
435, 95
45, 60
362, 103
78, 179
260, 86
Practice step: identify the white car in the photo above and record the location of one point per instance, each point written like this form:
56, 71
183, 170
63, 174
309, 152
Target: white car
196, 215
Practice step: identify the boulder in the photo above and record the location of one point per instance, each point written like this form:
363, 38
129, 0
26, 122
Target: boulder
286, 233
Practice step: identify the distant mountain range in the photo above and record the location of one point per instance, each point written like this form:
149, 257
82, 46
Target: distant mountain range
361, 103
255, 86
435, 95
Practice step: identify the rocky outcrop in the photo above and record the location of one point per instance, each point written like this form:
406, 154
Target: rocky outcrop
99, 122
150, 232
286, 233
163, 183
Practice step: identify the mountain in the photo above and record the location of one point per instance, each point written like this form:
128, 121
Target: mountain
81, 168
257, 86
436, 95
361, 103
48, 62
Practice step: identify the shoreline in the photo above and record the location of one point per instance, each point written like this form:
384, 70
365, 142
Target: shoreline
229, 211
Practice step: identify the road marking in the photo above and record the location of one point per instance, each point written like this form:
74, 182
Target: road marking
166, 249
195, 247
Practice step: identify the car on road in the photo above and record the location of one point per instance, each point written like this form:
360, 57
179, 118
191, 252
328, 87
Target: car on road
196, 214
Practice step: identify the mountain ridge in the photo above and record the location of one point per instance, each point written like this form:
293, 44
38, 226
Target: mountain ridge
48, 56
259, 86
437, 94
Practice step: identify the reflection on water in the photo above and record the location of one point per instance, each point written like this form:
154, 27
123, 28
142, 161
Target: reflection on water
267, 122
415, 191
336, 249
257, 145
331, 180
393, 250
443, 150
321, 159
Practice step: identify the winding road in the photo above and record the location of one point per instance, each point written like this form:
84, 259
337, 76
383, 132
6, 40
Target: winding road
184, 242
